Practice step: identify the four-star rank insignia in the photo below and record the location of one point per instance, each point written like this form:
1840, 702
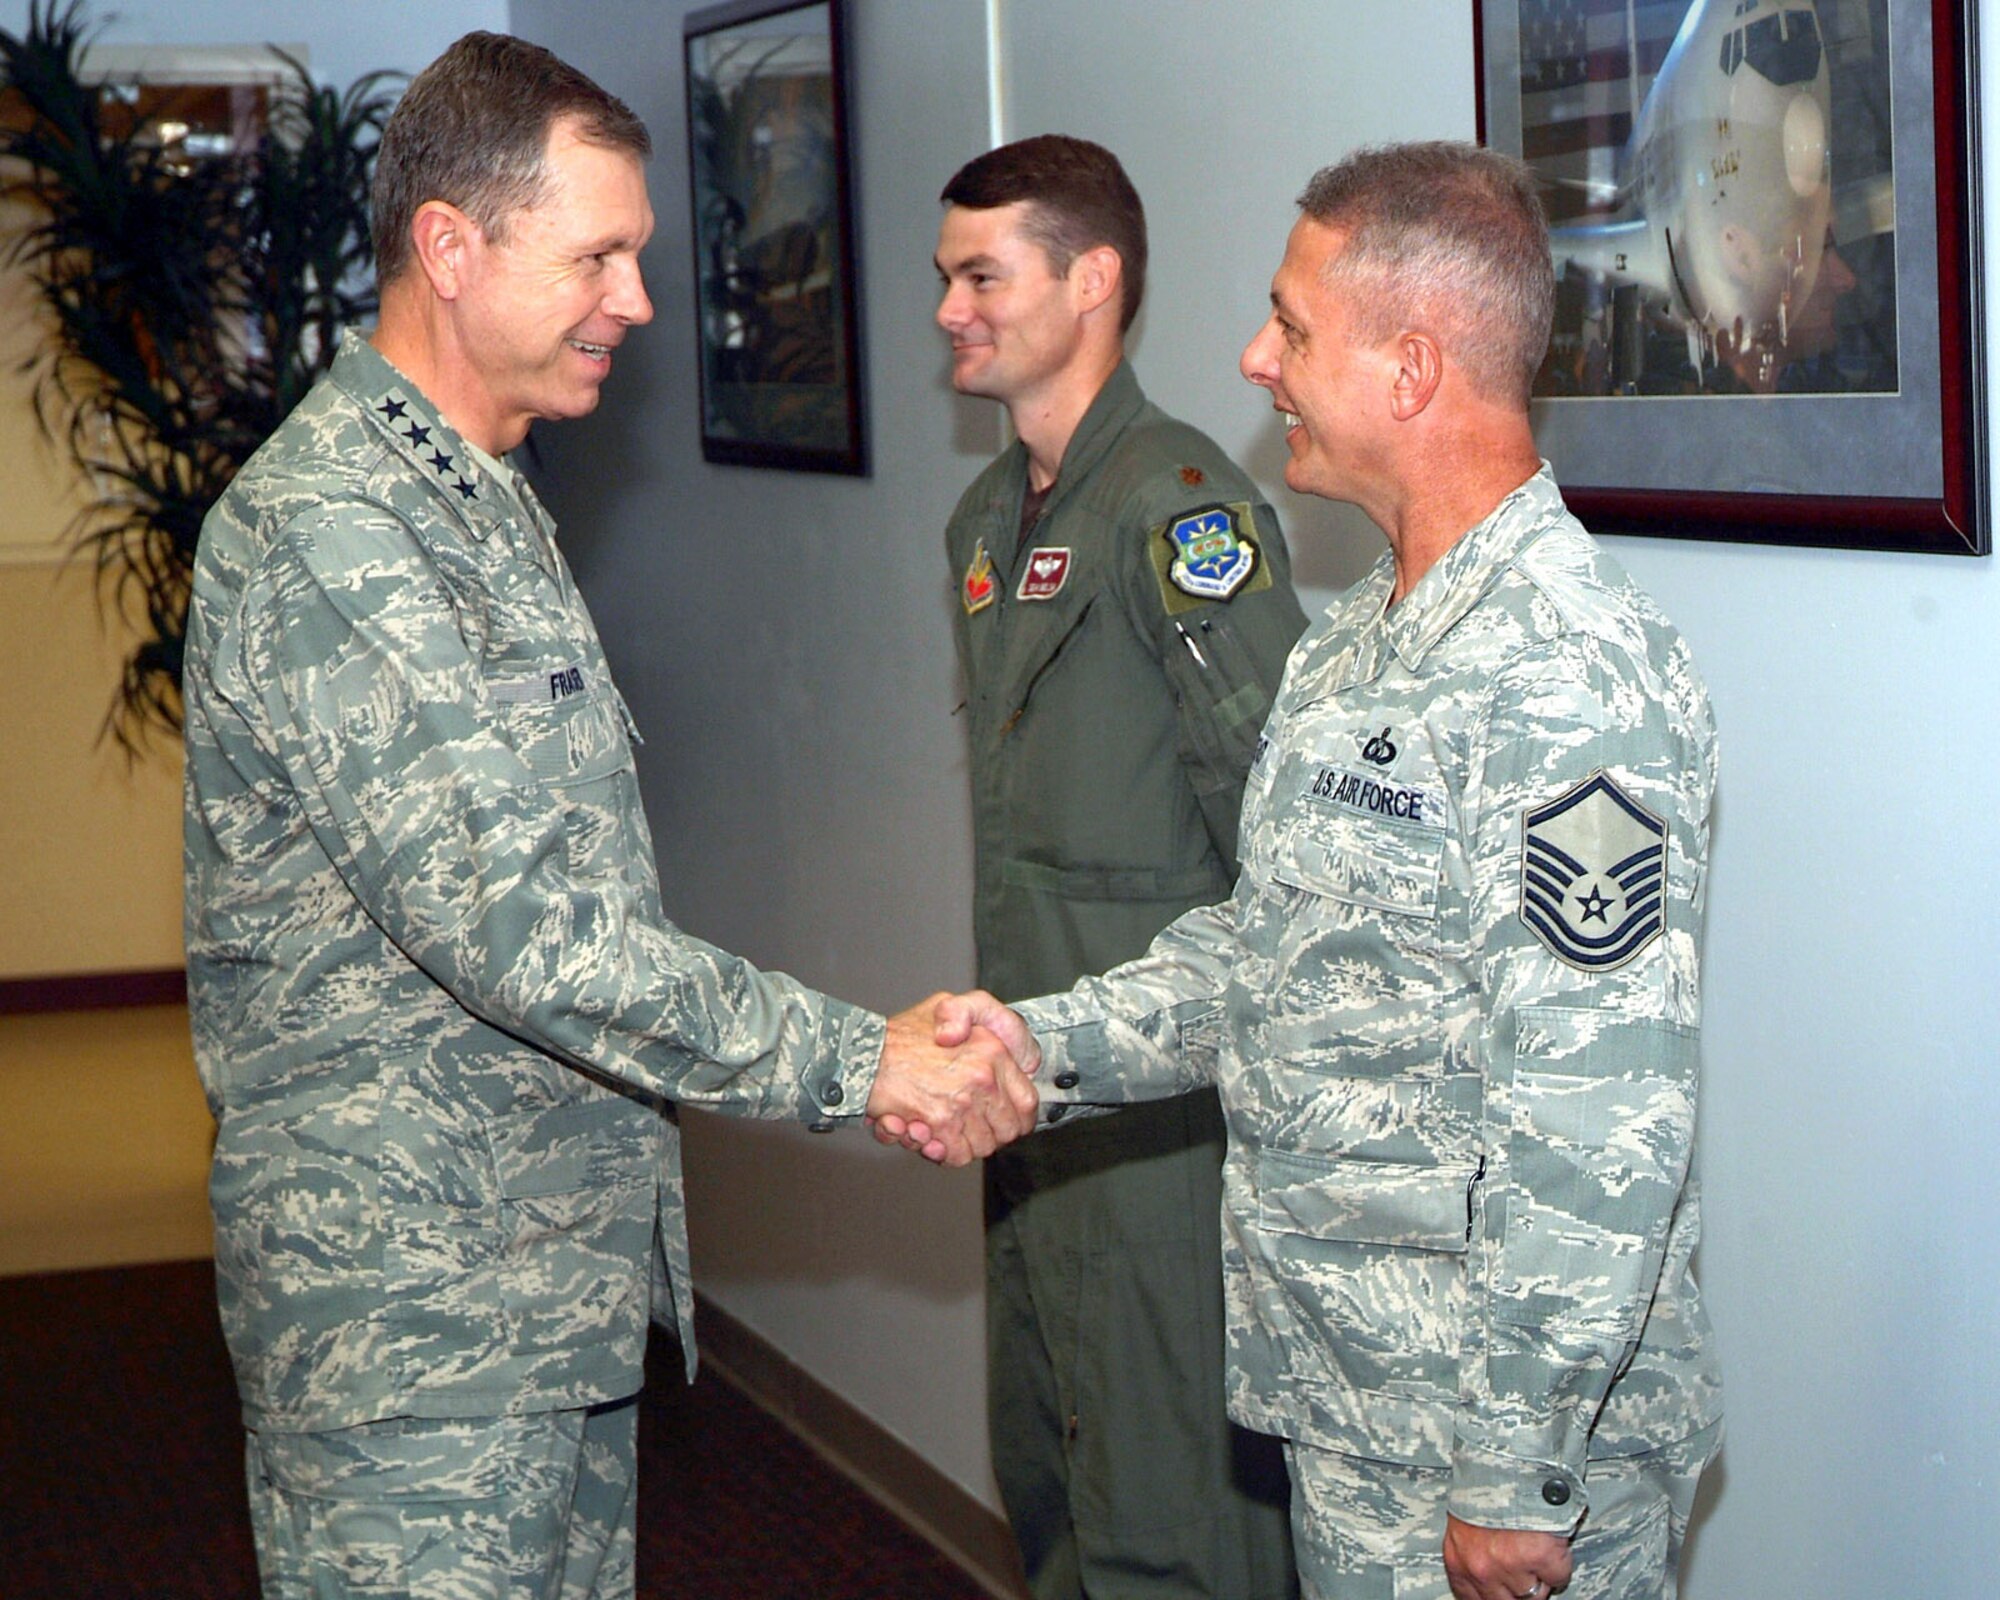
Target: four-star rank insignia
1044, 573
979, 590
1594, 875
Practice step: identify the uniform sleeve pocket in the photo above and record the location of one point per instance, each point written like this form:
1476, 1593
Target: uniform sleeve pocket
1597, 1149
1223, 703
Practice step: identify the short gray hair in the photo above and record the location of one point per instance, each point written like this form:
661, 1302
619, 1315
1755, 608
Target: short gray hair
473, 130
1450, 238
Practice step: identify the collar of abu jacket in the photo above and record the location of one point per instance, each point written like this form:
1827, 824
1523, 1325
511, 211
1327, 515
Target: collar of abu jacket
1457, 580
418, 433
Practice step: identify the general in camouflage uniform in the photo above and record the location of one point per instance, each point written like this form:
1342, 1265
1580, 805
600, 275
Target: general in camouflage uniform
437, 1006
1122, 627
1453, 1005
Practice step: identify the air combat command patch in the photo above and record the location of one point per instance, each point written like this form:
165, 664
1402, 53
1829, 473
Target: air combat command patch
1594, 875
1207, 556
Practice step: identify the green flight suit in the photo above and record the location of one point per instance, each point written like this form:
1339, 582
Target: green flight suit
1119, 662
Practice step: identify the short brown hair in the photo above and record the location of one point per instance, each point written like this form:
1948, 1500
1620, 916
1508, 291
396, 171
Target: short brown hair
472, 130
1078, 198
1450, 237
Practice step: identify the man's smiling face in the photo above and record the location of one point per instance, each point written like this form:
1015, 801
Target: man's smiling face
543, 309
1331, 390
1014, 322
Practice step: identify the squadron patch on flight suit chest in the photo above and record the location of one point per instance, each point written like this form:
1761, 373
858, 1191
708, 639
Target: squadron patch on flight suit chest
1044, 573
1593, 875
1208, 556
979, 591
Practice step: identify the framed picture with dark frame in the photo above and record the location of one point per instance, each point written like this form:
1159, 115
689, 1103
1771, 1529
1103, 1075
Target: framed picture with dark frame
1765, 218
774, 249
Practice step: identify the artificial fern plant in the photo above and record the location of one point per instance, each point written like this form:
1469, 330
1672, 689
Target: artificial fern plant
188, 304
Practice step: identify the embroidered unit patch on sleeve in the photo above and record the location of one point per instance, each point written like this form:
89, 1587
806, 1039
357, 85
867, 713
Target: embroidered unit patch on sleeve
978, 591
1208, 556
1044, 573
1594, 875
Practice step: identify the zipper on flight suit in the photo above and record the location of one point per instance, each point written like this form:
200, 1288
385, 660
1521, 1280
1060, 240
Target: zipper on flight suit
1041, 672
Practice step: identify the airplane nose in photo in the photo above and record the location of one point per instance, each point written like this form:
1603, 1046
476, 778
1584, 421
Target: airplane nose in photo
1805, 145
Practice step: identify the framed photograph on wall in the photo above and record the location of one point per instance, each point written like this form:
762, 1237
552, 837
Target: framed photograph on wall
1765, 218
774, 248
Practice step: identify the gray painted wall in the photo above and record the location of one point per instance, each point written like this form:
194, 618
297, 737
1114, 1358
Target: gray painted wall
785, 641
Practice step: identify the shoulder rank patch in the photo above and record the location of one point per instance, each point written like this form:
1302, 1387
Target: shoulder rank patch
1193, 477
1044, 573
1593, 875
1208, 556
978, 591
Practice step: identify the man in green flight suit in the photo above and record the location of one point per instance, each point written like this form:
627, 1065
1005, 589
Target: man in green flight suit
1125, 610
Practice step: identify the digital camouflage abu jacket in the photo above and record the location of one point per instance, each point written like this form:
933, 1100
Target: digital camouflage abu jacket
436, 1002
1453, 1012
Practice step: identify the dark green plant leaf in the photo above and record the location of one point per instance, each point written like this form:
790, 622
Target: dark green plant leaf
186, 308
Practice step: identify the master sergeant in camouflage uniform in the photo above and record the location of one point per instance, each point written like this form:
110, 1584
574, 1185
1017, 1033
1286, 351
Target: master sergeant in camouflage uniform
1453, 1005
437, 1006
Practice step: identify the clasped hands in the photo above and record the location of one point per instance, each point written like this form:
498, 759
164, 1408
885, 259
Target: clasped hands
956, 1079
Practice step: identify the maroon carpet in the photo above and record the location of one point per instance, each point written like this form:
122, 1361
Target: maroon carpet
121, 1467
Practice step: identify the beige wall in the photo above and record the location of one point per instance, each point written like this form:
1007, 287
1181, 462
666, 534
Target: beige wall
104, 1140
91, 843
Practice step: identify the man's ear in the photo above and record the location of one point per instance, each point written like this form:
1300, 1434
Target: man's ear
440, 237
1098, 275
1419, 369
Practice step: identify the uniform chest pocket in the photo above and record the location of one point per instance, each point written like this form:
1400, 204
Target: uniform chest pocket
1364, 861
574, 740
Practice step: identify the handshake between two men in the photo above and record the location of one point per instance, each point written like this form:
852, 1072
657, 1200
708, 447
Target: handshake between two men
956, 1079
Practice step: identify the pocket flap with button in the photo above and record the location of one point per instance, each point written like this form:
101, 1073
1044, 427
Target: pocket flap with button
1364, 1202
1365, 862
575, 740
587, 1143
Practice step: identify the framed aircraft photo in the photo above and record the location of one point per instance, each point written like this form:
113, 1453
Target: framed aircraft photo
774, 253
1765, 221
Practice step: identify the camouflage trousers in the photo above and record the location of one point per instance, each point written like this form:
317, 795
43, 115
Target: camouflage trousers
536, 1507
1374, 1530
